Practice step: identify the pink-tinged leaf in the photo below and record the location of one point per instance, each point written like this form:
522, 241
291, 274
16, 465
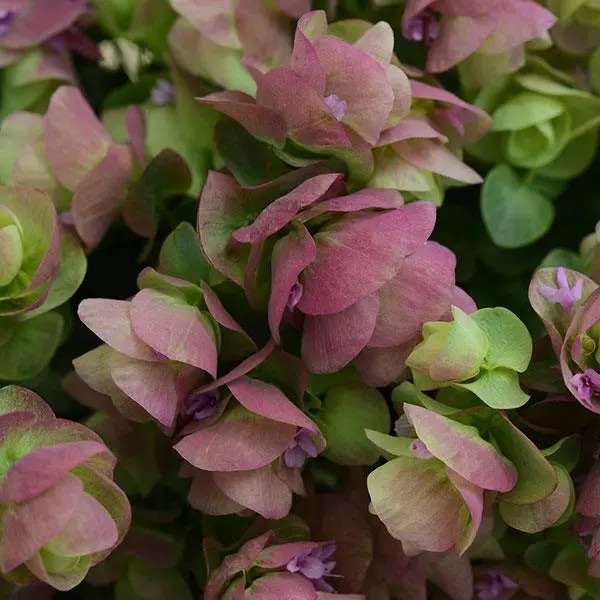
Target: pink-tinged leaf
408, 129
380, 367
462, 300
357, 254
27, 527
459, 37
462, 449
14, 398
313, 24
269, 401
76, 140
282, 211
90, 529
263, 122
466, 7
205, 495
402, 94
233, 564
361, 200
279, 555
136, 130
342, 522
361, 81
61, 581
473, 497
152, 385
475, 122
518, 22
433, 156
307, 118
239, 441
40, 469
273, 45
41, 20
378, 41
293, 8
588, 497
110, 320
283, 586
417, 504
174, 328
244, 367
260, 490
420, 291
330, 342
214, 19
99, 195
291, 255
305, 62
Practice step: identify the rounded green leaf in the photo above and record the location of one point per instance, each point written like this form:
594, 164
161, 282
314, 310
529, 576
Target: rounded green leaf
347, 411
514, 214
498, 388
510, 342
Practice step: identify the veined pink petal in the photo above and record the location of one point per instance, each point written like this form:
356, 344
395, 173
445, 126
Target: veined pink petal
291, 255
331, 341
207, 496
27, 527
359, 253
473, 497
378, 41
76, 140
152, 385
293, 8
260, 490
420, 291
380, 367
360, 80
283, 586
110, 320
174, 328
264, 122
99, 195
305, 62
213, 18
41, 468
90, 529
269, 401
433, 156
239, 441
408, 129
308, 120
41, 20
462, 449
466, 7
281, 212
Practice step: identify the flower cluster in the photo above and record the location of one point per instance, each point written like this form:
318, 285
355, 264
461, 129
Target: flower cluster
284, 353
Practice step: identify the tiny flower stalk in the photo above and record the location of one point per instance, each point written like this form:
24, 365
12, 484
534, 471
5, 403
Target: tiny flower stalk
60, 511
482, 353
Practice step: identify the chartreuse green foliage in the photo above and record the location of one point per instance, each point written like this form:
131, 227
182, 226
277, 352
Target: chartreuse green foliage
482, 353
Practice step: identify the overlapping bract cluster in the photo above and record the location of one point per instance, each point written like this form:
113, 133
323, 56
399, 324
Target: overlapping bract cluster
60, 511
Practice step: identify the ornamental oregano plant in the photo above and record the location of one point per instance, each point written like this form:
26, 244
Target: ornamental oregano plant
299, 299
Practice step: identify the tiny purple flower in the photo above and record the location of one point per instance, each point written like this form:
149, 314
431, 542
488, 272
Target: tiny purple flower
336, 106
423, 27
201, 405
586, 384
493, 586
564, 295
300, 449
420, 450
295, 296
315, 566
6, 20
162, 93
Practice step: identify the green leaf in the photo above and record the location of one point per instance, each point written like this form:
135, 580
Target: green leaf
565, 452
537, 479
524, 110
30, 345
390, 444
498, 388
594, 70
510, 342
251, 161
181, 255
73, 265
537, 516
346, 412
166, 175
514, 214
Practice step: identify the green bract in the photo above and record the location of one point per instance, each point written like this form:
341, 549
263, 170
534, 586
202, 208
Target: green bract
41, 266
481, 353
541, 120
